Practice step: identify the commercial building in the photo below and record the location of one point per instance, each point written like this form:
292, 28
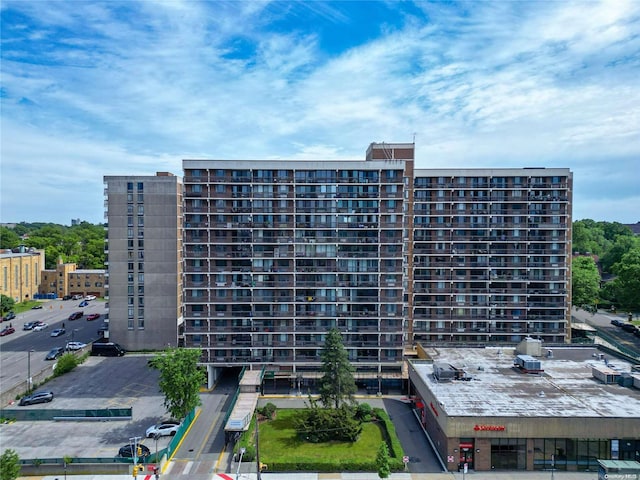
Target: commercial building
277, 252
21, 269
144, 259
565, 409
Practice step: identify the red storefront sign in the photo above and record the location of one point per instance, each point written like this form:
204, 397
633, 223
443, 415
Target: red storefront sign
489, 428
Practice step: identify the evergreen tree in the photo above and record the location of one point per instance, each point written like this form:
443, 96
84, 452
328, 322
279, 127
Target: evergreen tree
9, 465
337, 385
382, 461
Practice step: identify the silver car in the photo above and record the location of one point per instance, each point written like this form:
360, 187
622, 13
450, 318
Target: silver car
37, 397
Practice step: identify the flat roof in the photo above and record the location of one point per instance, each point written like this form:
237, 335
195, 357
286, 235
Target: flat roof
566, 388
242, 412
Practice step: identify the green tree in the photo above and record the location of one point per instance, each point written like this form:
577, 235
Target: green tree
626, 285
382, 461
337, 385
6, 304
180, 379
588, 237
9, 465
622, 245
585, 281
65, 363
9, 238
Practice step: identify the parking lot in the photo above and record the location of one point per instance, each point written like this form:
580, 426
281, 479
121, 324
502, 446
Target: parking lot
100, 382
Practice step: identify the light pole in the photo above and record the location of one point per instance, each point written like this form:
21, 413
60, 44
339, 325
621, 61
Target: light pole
242, 450
29, 383
156, 436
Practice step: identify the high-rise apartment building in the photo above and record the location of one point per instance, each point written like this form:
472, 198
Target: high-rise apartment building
491, 256
144, 259
276, 253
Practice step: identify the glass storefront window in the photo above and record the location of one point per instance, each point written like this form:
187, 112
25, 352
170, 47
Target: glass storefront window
508, 454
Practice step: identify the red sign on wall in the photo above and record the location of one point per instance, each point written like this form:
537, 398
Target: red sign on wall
489, 428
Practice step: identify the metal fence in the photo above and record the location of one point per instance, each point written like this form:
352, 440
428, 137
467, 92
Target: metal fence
100, 414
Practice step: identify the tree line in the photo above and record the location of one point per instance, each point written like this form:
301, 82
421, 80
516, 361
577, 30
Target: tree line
606, 266
82, 244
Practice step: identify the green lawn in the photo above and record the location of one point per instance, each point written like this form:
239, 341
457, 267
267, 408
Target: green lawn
279, 444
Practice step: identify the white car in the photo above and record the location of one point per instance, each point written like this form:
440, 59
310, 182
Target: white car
164, 428
40, 326
88, 298
72, 346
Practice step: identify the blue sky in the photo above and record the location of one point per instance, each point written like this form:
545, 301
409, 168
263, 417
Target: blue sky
113, 88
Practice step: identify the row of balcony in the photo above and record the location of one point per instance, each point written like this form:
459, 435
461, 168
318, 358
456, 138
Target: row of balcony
283, 357
289, 177
456, 183
231, 193
497, 249
508, 196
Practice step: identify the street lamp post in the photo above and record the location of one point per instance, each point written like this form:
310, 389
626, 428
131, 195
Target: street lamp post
156, 436
242, 450
29, 382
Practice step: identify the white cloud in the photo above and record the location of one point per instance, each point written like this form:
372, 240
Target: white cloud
135, 88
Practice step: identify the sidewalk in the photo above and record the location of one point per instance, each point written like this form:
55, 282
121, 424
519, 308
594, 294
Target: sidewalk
492, 475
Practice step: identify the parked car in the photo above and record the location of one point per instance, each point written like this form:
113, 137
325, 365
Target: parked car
37, 307
8, 317
29, 325
40, 326
93, 316
57, 332
76, 297
126, 451
73, 346
54, 353
169, 427
7, 331
66, 297
76, 315
37, 397
616, 322
83, 303
88, 298
629, 327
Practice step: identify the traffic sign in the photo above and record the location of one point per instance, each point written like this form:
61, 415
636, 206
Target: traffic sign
405, 459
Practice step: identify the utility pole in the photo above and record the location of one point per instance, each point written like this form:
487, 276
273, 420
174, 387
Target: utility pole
258, 448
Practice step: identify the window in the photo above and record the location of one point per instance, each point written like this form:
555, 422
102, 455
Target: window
130, 221
129, 186
140, 209
140, 186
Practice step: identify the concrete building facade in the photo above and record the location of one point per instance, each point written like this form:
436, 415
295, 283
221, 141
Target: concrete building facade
275, 253
144, 259
491, 256
278, 252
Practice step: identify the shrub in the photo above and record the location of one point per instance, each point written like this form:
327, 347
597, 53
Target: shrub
268, 410
66, 363
9, 465
363, 412
318, 425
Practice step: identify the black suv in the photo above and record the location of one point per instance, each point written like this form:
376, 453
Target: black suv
126, 451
